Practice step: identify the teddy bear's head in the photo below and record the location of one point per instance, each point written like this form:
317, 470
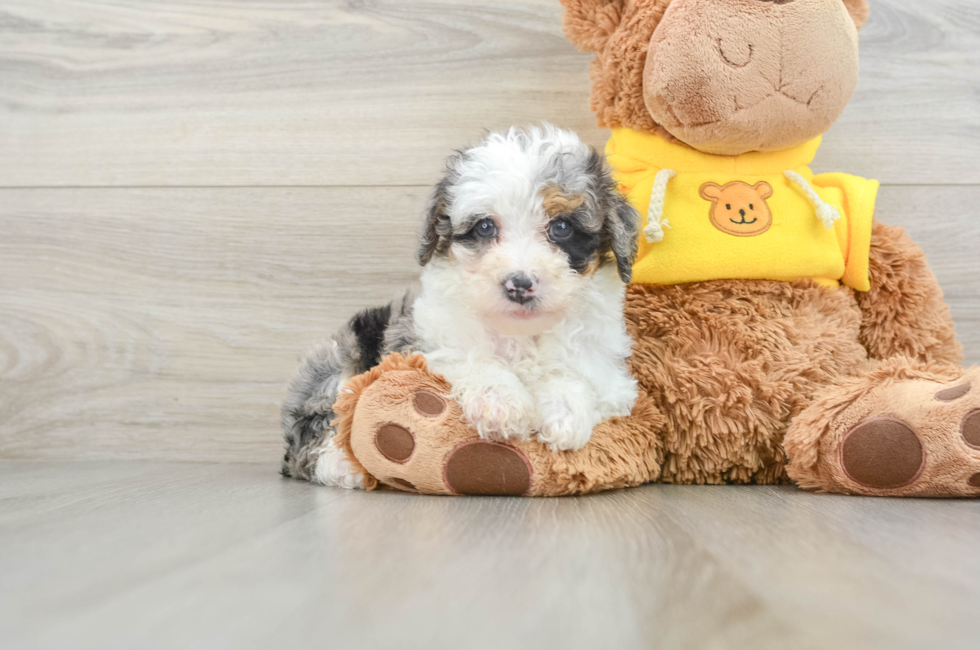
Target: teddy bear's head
723, 76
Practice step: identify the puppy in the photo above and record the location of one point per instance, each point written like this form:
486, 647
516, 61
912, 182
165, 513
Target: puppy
525, 249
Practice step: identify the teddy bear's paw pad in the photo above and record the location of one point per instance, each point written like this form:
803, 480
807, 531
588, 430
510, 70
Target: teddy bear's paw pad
970, 428
487, 469
395, 442
954, 393
428, 404
883, 453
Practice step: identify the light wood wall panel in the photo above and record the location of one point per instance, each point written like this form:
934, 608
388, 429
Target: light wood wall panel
247, 92
211, 92
164, 323
192, 192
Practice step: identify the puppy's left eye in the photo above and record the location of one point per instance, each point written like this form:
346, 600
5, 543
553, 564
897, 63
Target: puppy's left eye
485, 228
560, 230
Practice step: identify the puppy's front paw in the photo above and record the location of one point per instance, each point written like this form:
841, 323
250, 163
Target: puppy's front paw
565, 422
618, 398
499, 412
334, 470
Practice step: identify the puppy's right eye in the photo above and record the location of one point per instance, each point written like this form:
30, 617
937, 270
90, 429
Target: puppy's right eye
560, 230
485, 229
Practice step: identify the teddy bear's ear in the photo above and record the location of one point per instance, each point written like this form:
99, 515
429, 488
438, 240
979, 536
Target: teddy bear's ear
859, 11
590, 23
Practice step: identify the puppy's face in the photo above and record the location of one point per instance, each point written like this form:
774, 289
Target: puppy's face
524, 220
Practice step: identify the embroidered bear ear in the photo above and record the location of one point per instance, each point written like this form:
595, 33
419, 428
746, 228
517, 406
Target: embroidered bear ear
763, 189
710, 191
589, 23
859, 11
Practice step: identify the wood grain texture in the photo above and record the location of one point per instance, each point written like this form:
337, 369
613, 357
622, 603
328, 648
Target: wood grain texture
212, 92
915, 117
161, 270
939, 219
209, 92
164, 323
147, 555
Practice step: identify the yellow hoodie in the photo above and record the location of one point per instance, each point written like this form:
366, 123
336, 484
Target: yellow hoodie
758, 216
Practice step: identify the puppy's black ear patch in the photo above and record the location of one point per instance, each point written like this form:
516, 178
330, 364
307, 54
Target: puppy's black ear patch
437, 229
621, 221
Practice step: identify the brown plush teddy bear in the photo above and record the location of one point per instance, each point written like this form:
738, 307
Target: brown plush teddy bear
781, 332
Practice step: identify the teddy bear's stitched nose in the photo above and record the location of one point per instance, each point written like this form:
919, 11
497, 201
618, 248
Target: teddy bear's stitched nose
742, 212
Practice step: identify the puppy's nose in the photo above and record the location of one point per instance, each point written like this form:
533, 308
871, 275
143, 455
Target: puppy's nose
519, 288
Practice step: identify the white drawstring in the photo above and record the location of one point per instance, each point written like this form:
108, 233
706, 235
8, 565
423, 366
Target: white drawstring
654, 232
827, 212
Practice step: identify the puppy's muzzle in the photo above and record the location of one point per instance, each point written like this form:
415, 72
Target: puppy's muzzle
519, 288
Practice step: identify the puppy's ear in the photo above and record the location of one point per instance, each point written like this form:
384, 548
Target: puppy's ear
621, 222
859, 11
623, 226
437, 229
589, 23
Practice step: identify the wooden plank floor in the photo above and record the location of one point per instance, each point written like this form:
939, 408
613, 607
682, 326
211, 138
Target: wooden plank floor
160, 555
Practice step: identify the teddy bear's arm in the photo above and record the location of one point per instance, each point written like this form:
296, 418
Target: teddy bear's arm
904, 313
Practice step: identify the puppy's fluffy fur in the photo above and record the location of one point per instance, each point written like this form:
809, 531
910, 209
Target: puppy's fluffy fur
526, 246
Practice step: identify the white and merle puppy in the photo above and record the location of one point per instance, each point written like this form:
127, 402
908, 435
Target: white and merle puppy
526, 246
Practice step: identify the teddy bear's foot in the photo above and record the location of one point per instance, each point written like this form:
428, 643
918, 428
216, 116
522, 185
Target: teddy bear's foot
399, 426
901, 431
407, 433
424, 445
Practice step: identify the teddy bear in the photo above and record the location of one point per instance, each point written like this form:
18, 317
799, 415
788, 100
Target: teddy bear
783, 333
